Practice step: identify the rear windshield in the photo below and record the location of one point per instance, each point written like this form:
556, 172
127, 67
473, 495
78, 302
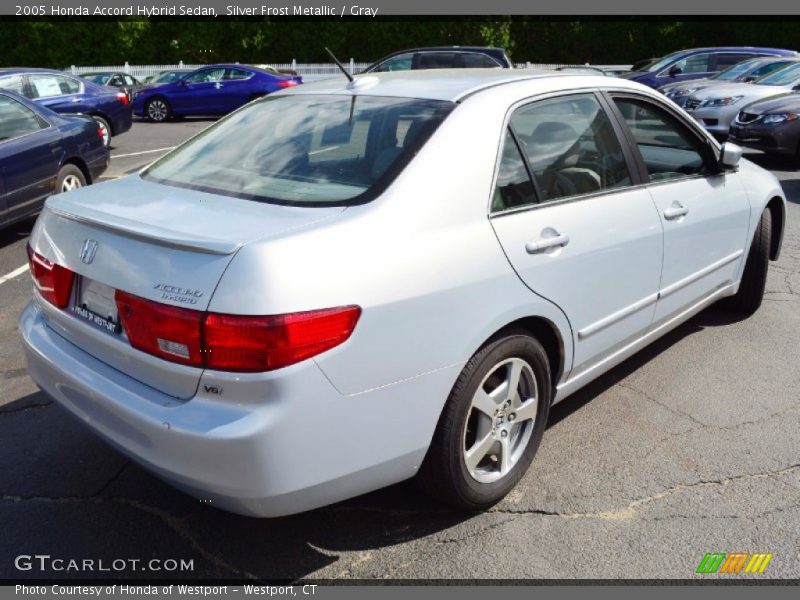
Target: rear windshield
304, 149
99, 78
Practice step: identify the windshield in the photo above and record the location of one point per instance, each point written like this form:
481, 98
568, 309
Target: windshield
785, 76
734, 71
100, 78
304, 149
660, 64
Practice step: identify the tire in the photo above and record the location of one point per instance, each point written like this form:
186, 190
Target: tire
69, 178
754, 279
157, 110
106, 130
465, 431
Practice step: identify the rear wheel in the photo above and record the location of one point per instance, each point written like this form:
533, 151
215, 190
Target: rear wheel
158, 110
754, 279
105, 128
69, 178
491, 426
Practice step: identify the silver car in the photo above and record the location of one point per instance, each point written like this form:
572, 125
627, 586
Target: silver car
349, 284
743, 72
716, 107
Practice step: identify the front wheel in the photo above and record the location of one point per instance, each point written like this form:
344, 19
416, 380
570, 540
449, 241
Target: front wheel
491, 426
754, 279
157, 110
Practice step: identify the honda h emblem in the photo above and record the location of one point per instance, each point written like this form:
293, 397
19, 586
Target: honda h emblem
88, 251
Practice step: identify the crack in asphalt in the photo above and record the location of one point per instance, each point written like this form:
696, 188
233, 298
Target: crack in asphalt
629, 511
663, 405
176, 524
112, 479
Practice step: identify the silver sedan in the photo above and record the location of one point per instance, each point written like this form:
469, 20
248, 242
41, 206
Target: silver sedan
349, 284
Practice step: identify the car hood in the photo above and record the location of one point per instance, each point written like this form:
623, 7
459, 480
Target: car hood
634, 75
779, 104
748, 90
695, 83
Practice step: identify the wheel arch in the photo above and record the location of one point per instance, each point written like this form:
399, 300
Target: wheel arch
106, 118
81, 164
778, 213
548, 335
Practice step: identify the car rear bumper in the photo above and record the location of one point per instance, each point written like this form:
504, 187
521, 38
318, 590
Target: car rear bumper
298, 446
122, 121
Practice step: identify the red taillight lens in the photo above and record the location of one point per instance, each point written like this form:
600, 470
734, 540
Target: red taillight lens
53, 281
285, 83
168, 332
232, 342
122, 97
239, 343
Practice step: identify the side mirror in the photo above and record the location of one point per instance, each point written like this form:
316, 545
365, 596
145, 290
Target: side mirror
796, 88
749, 78
729, 156
675, 70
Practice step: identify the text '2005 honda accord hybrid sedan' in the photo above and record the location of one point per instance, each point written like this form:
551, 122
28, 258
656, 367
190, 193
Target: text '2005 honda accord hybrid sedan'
348, 284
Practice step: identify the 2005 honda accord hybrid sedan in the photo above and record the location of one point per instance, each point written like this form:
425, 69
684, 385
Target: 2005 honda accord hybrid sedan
349, 284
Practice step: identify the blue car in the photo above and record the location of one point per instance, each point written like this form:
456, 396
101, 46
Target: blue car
43, 153
210, 90
697, 63
65, 94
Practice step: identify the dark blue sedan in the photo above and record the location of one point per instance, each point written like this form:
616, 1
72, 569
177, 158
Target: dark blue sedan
210, 90
65, 94
43, 153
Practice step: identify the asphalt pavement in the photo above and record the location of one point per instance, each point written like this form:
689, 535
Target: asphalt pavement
692, 446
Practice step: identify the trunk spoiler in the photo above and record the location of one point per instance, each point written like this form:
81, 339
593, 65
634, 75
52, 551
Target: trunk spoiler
61, 206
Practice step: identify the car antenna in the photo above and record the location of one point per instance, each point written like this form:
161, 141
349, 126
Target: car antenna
338, 64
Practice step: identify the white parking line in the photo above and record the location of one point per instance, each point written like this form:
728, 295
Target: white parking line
142, 152
14, 273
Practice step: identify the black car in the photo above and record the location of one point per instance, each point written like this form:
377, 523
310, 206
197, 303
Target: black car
43, 153
127, 83
443, 57
771, 125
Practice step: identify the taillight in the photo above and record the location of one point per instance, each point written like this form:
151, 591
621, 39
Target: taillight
241, 343
232, 342
122, 97
285, 83
53, 281
169, 332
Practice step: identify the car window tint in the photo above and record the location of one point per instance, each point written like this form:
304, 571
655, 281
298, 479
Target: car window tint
669, 149
514, 187
723, 61
571, 146
12, 83
473, 60
206, 76
234, 74
116, 80
436, 60
697, 63
769, 68
45, 85
401, 62
129, 80
15, 119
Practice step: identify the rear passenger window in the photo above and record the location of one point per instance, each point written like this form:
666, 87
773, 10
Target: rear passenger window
436, 60
571, 147
15, 119
669, 149
473, 60
235, 74
514, 187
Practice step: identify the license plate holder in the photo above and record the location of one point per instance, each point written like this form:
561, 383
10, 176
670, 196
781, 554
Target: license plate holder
95, 303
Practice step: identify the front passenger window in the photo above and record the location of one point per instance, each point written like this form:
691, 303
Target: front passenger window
669, 149
571, 147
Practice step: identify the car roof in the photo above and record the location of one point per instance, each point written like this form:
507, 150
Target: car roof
778, 51
452, 84
23, 70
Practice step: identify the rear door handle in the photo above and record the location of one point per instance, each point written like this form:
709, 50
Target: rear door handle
546, 243
75, 100
675, 211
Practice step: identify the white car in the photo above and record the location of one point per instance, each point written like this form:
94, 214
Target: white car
716, 107
349, 284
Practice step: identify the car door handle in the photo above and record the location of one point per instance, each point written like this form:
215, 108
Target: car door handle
75, 100
675, 211
546, 243
217, 85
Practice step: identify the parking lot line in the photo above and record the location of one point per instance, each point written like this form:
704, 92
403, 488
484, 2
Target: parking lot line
142, 152
13, 274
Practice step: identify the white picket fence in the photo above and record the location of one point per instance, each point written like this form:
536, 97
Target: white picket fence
309, 71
